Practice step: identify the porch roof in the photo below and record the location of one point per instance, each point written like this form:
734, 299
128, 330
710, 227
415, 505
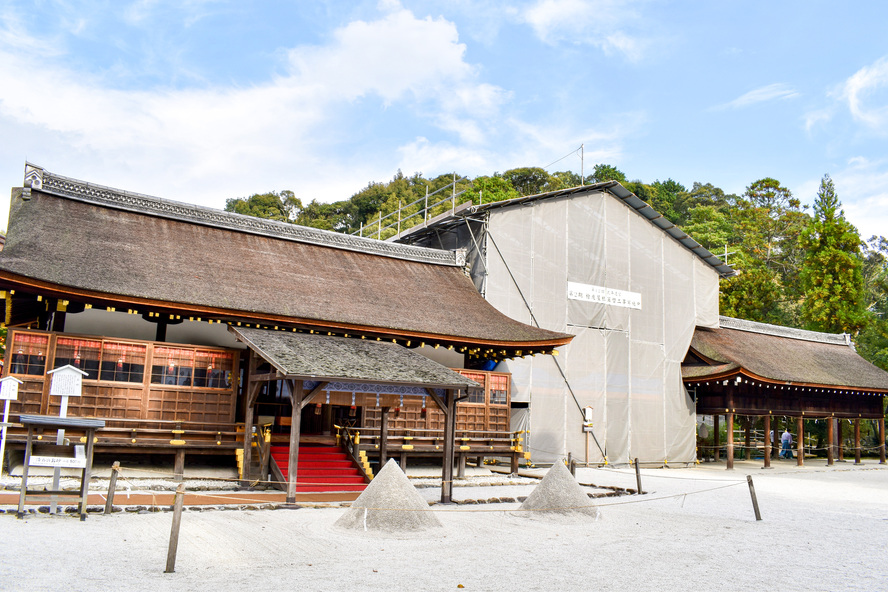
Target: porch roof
309, 356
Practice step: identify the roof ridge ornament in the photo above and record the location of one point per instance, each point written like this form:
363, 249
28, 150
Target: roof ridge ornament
33, 180
60, 186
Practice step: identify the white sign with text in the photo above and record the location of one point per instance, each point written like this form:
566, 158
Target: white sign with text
602, 295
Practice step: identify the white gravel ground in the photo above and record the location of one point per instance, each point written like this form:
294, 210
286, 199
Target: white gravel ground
822, 529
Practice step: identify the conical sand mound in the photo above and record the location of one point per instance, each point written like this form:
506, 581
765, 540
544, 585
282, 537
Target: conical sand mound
558, 494
390, 504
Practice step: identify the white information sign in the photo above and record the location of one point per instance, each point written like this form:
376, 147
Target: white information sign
602, 295
58, 461
9, 388
67, 381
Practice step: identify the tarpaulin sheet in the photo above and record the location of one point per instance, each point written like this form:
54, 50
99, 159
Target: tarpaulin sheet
623, 362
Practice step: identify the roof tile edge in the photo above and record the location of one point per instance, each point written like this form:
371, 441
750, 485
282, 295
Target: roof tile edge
39, 179
788, 332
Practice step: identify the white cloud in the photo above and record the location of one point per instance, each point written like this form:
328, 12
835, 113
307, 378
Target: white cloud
859, 90
209, 143
771, 92
397, 56
599, 23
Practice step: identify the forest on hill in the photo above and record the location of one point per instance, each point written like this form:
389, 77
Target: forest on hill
797, 267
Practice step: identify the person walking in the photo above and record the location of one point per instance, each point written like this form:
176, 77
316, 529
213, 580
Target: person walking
786, 448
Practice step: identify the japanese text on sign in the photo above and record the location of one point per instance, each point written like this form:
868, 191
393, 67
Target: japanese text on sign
602, 295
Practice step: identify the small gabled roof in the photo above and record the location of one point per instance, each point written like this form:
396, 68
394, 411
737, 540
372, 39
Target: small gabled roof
614, 188
781, 355
320, 357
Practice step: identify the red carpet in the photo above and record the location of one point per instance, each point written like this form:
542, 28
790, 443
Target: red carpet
321, 468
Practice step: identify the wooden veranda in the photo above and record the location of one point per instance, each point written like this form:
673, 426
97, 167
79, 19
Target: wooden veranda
755, 370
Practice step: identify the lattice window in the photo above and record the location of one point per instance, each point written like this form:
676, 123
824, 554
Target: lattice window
212, 369
123, 362
85, 354
28, 354
172, 366
476, 395
499, 389
192, 367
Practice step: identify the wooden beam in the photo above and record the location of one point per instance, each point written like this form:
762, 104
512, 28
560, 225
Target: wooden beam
449, 435
179, 465
313, 393
266, 377
441, 404
857, 441
252, 394
383, 436
296, 397
881, 440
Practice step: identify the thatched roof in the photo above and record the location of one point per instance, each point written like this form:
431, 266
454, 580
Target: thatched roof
782, 355
87, 241
307, 356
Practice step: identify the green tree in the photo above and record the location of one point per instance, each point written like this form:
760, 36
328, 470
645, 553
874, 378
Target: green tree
831, 275
564, 180
875, 275
666, 193
700, 195
605, 172
528, 180
489, 189
283, 206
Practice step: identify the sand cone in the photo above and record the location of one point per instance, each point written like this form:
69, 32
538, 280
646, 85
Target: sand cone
559, 494
391, 504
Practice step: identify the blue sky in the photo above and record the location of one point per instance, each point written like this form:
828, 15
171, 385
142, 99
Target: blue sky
203, 100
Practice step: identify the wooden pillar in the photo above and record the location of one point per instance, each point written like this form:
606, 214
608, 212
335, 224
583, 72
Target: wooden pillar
831, 440
767, 426
383, 436
252, 392
58, 321
449, 435
160, 334
403, 460
881, 440
857, 441
295, 423
730, 452
715, 437
179, 465
747, 440
800, 444
461, 465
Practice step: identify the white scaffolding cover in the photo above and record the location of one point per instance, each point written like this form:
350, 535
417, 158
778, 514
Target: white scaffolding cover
623, 362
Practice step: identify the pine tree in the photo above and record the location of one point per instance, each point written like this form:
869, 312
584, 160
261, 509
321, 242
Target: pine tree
831, 276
